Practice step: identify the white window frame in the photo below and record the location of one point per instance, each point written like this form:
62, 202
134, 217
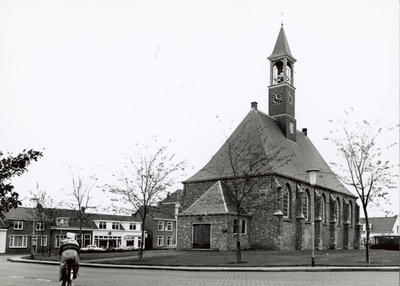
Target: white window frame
132, 226
20, 225
115, 225
43, 238
160, 226
101, 224
39, 226
170, 226
160, 238
24, 241
169, 240
58, 238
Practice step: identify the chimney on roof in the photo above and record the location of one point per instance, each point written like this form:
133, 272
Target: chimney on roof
304, 131
254, 105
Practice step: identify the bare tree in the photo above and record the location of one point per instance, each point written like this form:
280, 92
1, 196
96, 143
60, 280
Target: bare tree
46, 214
82, 202
142, 181
363, 165
247, 160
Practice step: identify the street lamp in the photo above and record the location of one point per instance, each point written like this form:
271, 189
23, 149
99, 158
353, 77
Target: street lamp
313, 181
34, 205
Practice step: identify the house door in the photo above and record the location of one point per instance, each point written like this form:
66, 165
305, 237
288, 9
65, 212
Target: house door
201, 236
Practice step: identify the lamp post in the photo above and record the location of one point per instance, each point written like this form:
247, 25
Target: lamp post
34, 205
313, 180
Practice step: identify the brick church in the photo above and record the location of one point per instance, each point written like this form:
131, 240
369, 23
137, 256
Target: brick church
257, 185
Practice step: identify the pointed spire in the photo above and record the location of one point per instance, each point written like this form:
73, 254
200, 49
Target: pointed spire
281, 47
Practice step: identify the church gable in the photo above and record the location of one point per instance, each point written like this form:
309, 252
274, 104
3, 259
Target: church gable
217, 200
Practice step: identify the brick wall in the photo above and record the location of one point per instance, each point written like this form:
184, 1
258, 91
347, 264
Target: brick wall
221, 231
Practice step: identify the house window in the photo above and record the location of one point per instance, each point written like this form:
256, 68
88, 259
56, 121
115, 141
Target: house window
169, 226
169, 240
160, 240
102, 225
18, 241
59, 238
306, 205
39, 226
115, 225
132, 226
62, 221
18, 225
235, 225
87, 240
160, 226
291, 127
43, 241
286, 202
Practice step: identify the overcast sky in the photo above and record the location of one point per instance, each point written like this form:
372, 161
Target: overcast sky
87, 79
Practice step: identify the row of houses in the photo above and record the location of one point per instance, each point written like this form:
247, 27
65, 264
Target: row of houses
22, 232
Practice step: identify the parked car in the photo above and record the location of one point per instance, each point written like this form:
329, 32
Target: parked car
92, 248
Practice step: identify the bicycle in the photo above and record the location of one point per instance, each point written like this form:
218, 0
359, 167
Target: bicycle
68, 273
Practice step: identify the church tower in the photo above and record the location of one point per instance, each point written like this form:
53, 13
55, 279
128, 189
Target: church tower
281, 92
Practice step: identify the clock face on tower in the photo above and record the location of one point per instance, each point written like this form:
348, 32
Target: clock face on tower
290, 98
277, 98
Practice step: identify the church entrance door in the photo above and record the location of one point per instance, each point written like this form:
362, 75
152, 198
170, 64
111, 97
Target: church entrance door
201, 236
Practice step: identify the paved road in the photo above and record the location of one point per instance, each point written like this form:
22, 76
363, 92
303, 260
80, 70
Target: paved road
13, 273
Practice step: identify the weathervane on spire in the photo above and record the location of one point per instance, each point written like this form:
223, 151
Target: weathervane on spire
282, 18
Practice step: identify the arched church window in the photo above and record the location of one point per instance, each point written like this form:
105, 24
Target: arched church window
323, 208
286, 201
350, 215
337, 211
306, 204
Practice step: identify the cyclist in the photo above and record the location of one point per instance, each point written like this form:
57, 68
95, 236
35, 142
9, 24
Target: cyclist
69, 253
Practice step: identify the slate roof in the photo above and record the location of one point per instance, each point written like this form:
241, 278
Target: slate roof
381, 224
20, 213
163, 211
172, 198
216, 201
262, 134
281, 47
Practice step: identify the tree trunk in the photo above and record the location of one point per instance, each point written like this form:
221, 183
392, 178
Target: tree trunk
367, 256
238, 250
142, 241
49, 242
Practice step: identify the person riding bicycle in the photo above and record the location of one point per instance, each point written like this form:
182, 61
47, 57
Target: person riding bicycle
69, 254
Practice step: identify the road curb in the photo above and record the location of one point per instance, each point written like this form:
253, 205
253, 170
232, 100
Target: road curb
221, 269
